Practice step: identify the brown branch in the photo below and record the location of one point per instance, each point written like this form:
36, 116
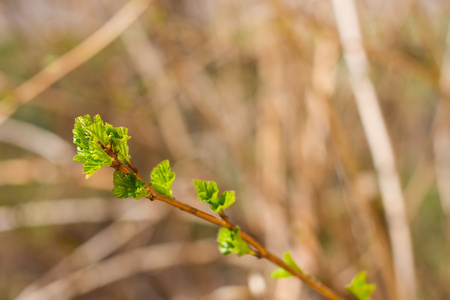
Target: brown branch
71, 60
262, 252
193, 211
223, 221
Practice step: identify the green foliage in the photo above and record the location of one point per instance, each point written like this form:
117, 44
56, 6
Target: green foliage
89, 151
282, 273
93, 137
119, 137
162, 178
360, 288
128, 185
230, 241
208, 192
99, 144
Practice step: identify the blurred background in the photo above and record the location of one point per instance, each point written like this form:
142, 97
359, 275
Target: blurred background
335, 137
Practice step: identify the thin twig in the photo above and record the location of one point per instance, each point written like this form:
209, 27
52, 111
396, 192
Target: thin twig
262, 252
37, 140
379, 145
129, 13
441, 144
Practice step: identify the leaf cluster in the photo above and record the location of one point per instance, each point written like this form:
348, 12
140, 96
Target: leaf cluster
92, 137
208, 192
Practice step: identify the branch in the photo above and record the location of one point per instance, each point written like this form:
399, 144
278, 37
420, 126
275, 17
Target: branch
261, 251
100, 144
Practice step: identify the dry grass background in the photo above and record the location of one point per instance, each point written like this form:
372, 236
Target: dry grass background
256, 95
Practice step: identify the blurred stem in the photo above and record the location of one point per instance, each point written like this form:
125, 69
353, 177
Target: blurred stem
71, 60
376, 132
258, 250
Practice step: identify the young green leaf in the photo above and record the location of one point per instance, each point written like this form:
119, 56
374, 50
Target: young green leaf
282, 273
92, 137
230, 241
128, 186
80, 133
119, 137
162, 178
101, 130
89, 151
360, 288
208, 192
94, 160
226, 199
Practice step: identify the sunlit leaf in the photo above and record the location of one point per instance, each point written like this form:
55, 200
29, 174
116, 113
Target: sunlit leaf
128, 186
208, 192
162, 178
119, 137
230, 241
282, 273
93, 137
226, 199
89, 151
360, 288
